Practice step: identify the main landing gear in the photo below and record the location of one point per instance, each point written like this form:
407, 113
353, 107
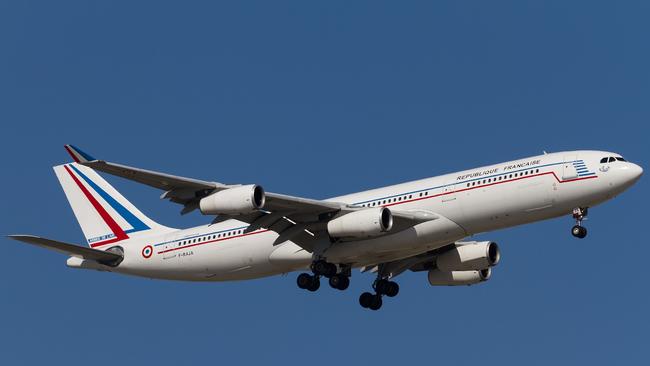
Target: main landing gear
338, 280
382, 287
578, 230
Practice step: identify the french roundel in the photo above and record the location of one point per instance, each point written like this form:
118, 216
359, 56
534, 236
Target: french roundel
147, 251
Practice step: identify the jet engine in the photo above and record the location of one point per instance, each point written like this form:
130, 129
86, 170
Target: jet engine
234, 201
469, 256
458, 278
361, 224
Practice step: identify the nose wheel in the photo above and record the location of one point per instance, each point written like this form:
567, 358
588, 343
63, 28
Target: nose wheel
578, 230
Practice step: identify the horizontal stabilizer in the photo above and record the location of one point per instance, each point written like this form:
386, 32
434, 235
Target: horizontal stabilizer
107, 258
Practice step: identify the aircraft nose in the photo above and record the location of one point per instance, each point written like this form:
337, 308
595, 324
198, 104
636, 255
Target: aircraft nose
637, 171
633, 172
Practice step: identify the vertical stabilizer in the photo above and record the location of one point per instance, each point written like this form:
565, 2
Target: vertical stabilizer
105, 216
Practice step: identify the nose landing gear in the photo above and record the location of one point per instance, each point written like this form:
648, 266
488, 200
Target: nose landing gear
579, 214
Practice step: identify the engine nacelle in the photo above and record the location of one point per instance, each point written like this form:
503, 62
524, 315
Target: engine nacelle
234, 201
361, 224
469, 256
458, 278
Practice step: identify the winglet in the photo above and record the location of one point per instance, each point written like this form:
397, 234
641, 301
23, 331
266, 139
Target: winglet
78, 155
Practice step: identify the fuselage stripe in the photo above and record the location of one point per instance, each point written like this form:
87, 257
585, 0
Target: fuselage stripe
455, 183
485, 185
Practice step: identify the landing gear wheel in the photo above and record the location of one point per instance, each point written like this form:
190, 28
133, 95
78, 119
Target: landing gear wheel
315, 284
579, 231
339, 282
381, 286
304, 280
375, 302
392, 289
386, 287
365, 299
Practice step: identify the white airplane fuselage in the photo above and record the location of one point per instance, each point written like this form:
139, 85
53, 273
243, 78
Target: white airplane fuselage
468, 202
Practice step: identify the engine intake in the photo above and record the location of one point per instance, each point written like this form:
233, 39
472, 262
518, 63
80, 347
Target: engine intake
361, 224
468, 256
458, 278
234, 201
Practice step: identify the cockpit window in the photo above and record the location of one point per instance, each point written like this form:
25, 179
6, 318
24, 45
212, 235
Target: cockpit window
610, 159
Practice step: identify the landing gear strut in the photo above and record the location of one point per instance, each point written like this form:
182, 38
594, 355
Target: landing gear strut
578, 230
381, 286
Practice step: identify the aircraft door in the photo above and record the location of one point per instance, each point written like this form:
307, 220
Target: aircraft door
569, 170
450, 203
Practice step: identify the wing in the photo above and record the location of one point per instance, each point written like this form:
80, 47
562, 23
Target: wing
72, 250
302, 220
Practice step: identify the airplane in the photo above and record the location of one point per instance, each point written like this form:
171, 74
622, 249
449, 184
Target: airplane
418, 226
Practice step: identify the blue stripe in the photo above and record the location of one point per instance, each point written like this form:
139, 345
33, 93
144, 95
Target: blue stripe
135, 222
582, 170
584, 175
85, 156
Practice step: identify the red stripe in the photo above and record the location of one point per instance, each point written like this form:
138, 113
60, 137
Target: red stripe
115, 228
211, 241
74, 157
491, 184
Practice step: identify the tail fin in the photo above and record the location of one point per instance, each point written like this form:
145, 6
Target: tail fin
104, 215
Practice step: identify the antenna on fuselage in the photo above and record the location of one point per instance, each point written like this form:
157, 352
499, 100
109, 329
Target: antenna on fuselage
544, 151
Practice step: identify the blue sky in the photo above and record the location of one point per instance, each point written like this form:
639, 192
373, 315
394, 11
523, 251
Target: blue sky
317, 100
